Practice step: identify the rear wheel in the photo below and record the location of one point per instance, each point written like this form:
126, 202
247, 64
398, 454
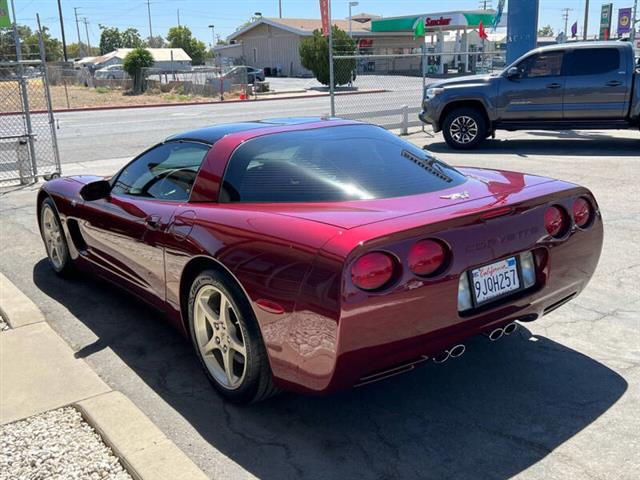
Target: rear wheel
464, 128
54, 239
227, 339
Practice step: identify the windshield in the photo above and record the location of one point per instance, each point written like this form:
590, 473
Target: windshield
354, 162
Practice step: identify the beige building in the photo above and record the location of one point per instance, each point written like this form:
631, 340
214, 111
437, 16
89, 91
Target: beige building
273, 43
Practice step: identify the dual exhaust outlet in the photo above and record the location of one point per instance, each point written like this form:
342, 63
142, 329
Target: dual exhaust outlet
498, 333
458, 350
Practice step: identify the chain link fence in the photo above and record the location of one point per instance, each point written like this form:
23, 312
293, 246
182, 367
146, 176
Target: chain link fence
28, 144
388, 89
79, 87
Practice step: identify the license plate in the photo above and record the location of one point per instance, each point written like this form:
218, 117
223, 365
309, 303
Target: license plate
495, 280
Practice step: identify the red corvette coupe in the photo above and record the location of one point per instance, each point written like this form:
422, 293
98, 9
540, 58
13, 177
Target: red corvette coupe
316, 254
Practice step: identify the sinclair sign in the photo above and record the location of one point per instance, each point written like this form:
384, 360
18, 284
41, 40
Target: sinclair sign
437, 22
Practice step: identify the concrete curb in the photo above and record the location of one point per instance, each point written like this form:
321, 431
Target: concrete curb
17, 309
143, 449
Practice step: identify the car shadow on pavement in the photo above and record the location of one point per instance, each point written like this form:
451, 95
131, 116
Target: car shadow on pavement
494, 412
552, 143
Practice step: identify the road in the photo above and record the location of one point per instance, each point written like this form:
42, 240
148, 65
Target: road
97, 135
557, 400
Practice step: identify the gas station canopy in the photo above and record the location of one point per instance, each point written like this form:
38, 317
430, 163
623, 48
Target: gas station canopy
435, 21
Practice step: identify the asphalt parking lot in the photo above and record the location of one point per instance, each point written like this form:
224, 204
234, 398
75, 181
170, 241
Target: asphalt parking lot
559, 399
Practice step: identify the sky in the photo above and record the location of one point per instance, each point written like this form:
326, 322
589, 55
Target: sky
226, 15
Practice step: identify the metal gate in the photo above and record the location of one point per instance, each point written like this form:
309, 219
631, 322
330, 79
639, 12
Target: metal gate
28, 144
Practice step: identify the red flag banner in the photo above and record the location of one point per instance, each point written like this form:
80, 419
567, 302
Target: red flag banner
481, 31
324, 14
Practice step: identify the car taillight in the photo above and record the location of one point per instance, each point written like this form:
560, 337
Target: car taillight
581, 212
555, 221
372, 271
426, 257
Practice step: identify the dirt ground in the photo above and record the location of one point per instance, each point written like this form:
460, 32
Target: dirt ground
75, 96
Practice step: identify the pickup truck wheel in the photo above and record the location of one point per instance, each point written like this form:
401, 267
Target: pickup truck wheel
464, 128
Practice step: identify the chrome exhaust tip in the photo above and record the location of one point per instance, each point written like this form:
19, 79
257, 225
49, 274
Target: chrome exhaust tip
457, 351
510, 328
442, 357
495, 334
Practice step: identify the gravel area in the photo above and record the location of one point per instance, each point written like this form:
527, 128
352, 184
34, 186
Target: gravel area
57, 444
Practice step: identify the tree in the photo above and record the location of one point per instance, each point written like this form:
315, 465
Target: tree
131, 38
181, 37
134, 64
110, 39
75, 50
156, 42
314, 55
29, 44
52, 46
546, 31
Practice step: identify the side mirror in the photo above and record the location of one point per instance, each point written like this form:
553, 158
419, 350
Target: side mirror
513, 73
95, 190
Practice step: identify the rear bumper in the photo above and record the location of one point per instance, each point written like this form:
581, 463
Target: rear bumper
419, 317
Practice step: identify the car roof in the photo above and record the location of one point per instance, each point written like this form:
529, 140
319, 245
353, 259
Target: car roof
213, 133
577, 45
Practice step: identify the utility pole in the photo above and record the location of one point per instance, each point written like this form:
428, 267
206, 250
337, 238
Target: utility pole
64, 40
331, 76
586, 20
149, 15
178, 17
213, 37
565, 15
86, 30
279, 8
80, 50
634, 21
351, 4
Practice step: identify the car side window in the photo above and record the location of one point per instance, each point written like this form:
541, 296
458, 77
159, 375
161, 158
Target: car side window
594, 61
166, 172
546, 64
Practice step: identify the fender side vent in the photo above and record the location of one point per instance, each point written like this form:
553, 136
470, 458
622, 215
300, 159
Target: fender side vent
76, 236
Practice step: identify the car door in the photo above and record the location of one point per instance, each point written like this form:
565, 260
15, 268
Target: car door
126, 233
597, 84
536, 93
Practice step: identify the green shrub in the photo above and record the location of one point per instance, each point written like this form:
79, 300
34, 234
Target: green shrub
314, 55
134, 64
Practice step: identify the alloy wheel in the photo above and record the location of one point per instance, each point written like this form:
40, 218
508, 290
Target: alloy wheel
463, 129
52, 232
219, 337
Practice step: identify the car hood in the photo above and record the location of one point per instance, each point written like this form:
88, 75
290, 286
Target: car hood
481, 183
466, 80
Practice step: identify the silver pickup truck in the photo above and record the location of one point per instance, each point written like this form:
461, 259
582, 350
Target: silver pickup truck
590, 85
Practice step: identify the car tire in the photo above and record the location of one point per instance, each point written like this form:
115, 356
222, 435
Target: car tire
229, 346
54, 239
464, 128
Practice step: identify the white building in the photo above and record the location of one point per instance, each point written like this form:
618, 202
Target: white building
166, 59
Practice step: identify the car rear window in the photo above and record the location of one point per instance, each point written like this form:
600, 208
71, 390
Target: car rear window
594, 61
354, 162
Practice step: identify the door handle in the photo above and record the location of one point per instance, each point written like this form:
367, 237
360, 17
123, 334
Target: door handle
553, 85
152, 221
613, 83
